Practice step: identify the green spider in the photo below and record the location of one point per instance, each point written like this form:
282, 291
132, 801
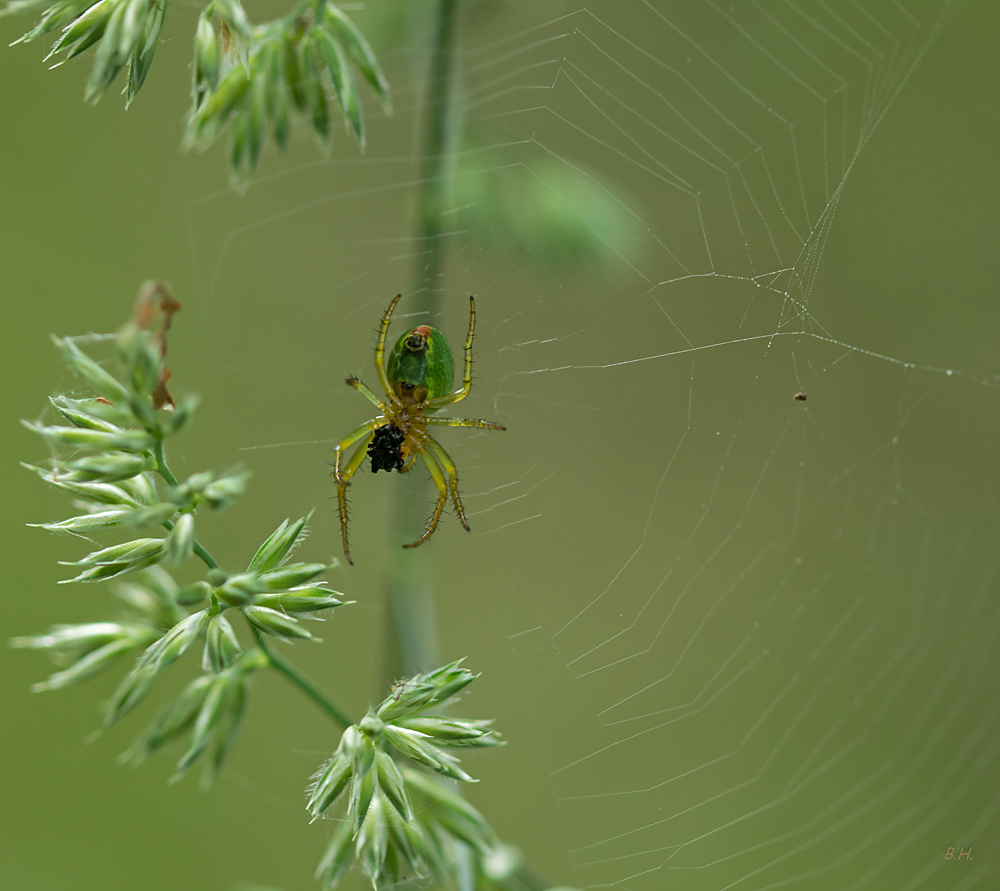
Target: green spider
417, 380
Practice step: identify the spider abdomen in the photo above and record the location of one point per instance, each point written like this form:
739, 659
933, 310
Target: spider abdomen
421, 360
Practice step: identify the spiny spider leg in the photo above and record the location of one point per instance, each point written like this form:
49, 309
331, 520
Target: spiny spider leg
463, 391
444, 459
365, 391
463, 422
380, 347
342, 480
438, 478
342, 475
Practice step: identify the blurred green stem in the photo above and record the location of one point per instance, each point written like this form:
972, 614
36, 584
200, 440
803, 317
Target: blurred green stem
430, 254
411, 634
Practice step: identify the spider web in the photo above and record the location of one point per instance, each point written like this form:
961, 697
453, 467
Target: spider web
748, 639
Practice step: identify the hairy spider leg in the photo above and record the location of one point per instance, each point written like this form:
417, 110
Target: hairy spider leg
444, 459
463, 391
463, 422
342, 476
365, 391
438, 478
351, 438
383, 378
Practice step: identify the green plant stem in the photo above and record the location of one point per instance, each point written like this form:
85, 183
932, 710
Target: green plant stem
301, 680
161, 464
410, 613
434, 179
206, 557
411, 635
275, 659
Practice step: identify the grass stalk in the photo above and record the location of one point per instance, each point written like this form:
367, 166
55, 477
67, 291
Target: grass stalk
411, 633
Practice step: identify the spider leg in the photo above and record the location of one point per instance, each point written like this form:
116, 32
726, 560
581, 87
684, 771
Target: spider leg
463, 422
365, 391
444, 459
343, 473
383, 379
342, 477
438, 478
338, 450
463, 391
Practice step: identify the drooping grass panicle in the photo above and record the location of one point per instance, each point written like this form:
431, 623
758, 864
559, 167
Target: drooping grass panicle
108, 446
247, 79
259, 80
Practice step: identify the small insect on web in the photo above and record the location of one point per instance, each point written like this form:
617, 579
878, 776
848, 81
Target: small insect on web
386, 449
417, 379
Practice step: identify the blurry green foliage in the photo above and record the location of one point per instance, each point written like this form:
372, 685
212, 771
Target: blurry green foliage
550, 212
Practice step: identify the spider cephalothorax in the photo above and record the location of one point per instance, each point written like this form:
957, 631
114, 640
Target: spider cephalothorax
417, 380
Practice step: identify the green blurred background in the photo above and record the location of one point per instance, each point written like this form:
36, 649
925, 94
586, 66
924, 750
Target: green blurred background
729, 636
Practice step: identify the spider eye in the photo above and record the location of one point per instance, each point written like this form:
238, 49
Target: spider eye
406, 385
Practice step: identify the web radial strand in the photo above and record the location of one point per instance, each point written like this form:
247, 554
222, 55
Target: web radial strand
741, 127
